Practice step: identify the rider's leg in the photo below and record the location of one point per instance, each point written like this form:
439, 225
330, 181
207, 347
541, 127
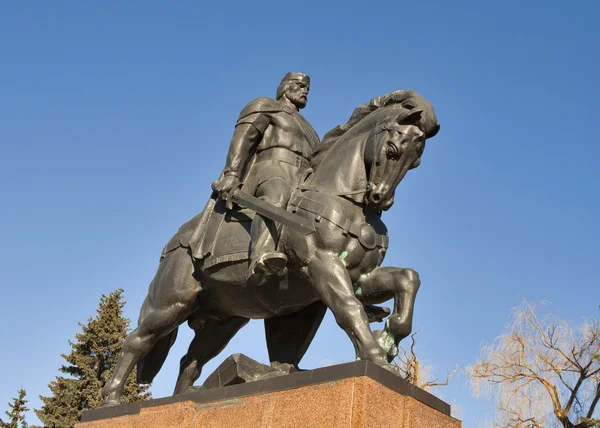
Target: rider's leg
207, 343
172, 295
332, 281
264, 259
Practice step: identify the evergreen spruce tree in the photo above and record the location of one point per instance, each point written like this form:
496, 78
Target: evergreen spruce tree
89, 365
16, 414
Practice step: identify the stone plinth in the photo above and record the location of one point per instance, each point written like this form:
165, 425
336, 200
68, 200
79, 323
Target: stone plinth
351, 395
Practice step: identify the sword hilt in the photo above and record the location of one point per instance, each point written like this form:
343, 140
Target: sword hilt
229, 200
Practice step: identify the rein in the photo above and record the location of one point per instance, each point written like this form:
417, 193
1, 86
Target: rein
364, 232
378, 130
376, 147
358, 192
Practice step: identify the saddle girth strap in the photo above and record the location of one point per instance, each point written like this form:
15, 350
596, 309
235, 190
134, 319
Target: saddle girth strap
365, 233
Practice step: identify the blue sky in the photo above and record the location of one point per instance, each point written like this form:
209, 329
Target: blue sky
116, 117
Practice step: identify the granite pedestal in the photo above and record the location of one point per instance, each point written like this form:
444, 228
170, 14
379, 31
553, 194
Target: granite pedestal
353, 395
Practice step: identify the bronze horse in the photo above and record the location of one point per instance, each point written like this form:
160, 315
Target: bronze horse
355, 174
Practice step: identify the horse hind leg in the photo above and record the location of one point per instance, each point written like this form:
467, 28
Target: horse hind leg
288, 336
210, 339
150, 365
171, 299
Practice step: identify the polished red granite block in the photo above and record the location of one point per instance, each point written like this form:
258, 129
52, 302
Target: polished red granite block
358, 402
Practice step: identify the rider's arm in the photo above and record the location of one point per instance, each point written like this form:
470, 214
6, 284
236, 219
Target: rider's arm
247, 135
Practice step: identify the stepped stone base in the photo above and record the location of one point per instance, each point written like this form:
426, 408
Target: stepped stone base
354, 395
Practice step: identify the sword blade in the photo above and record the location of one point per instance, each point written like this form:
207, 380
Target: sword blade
299, 224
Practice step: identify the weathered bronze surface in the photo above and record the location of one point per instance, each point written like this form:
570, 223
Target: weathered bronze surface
230, 264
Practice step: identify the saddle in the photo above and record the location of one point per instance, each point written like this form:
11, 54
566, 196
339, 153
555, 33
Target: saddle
215, 236
232, 239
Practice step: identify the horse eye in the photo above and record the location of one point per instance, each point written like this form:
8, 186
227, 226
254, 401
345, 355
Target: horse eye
392, 152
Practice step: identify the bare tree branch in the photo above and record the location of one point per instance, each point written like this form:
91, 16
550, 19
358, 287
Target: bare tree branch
595, 400
541, 371
411, 368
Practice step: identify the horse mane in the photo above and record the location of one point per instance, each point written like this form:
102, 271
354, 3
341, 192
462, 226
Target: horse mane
406, 98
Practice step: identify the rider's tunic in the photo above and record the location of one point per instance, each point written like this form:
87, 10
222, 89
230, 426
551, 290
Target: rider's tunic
276, 145
282, 139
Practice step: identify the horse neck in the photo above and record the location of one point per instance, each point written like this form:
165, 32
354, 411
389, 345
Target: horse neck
342, 171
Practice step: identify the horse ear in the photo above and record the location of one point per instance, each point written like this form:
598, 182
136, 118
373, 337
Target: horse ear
413, 116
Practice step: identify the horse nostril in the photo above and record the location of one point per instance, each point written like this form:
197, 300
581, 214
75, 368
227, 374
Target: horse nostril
376, 197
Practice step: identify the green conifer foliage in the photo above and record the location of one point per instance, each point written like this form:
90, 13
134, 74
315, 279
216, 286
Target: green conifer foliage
17, 411
90, 363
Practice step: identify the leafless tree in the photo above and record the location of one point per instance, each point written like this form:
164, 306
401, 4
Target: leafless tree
413, 370
542, 372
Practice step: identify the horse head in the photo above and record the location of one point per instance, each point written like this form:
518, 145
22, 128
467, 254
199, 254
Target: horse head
366, 158
392, 149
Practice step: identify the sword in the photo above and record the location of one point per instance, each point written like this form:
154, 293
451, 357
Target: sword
245, 200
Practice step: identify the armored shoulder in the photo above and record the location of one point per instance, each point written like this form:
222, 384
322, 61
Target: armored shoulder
261, 105
257, 113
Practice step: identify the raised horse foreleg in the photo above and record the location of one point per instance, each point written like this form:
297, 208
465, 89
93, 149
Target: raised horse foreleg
332, 282
171, 300
383, 284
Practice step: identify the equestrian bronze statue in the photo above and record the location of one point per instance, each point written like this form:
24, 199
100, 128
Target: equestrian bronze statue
293, 227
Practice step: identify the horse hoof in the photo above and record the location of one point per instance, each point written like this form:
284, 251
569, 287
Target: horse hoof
285, 367
110, 403
193, 389
392, 368
377, 313
386, 341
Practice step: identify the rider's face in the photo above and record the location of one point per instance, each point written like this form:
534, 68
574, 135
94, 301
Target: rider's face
298, 94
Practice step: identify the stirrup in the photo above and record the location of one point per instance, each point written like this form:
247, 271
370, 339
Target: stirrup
267, 264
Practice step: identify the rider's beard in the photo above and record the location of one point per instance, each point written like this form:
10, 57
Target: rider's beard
297, 99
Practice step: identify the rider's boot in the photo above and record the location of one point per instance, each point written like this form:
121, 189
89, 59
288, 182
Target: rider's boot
265, 260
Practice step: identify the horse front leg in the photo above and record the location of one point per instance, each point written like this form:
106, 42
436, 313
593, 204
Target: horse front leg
332, 282
400, 284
